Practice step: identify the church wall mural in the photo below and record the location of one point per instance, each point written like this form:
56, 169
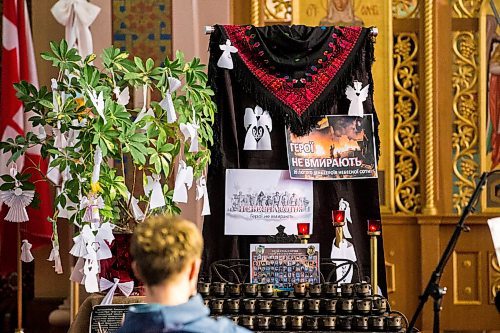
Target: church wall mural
145, 35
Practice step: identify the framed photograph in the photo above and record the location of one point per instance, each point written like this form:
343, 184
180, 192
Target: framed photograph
284, 264
258, 201
339, 147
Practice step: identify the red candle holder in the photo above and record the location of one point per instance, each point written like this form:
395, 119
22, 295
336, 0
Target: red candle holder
303, 231
374, 227
338, 218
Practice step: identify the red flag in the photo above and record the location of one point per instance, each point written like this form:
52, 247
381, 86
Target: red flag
18, 63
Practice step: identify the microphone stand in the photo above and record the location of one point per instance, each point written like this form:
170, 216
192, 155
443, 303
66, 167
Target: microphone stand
433, 288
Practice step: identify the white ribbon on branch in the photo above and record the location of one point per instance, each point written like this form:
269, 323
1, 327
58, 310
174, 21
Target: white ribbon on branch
125, 287
55, 257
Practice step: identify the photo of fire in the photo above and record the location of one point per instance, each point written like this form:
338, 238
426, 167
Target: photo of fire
338, 147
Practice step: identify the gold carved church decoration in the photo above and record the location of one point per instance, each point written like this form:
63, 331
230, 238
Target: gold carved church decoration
268, 12
465, 84
406, 112
466, 8
277, 11
493, 277
402, 9
465, 137
406, 120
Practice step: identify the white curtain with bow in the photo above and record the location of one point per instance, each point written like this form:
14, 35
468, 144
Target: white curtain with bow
77, 16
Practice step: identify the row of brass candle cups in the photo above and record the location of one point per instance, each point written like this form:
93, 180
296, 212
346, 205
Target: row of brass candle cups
328, 289
328, 322
283, 306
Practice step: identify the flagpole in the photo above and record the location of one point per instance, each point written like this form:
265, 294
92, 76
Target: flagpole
19, 283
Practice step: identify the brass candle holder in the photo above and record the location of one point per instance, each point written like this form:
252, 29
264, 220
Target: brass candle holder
374, 230
338, 221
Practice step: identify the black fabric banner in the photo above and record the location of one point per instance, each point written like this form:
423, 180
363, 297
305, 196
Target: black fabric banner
288, 76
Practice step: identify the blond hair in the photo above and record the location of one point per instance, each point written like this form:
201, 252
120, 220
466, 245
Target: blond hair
162, 246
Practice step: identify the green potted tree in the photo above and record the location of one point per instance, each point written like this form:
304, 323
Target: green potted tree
112, 164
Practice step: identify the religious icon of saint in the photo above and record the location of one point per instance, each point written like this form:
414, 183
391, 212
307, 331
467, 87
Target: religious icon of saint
494, 104
341, 12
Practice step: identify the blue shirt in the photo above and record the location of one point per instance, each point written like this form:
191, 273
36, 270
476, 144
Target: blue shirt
191, 316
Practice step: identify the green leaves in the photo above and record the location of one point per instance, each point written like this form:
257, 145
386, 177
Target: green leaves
130, 150
32, 98
62, 57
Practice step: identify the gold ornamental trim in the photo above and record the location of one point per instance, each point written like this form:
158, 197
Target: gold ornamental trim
255, 12
430, 174
406, 129
465, 137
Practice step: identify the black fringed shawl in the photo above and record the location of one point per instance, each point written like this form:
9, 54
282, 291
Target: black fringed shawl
296, 73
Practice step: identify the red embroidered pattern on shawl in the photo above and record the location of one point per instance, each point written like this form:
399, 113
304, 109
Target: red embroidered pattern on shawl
300, 98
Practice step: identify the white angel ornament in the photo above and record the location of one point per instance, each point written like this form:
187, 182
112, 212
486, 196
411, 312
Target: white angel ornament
190, 132
96, 169
103, 237
123, 96
91, 203
77, 272
345, 250
134, 206
202, 192
60, 140
53, 86
26, 255
225, 60
17, 200
55, 257
42, 134
145, 111
344, 205
98, 101
90, 270
357, 96
259, 125
79, 248
155, 192
167, 103
71, 207
183, 182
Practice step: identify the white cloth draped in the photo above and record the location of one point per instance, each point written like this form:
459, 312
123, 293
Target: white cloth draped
77, 16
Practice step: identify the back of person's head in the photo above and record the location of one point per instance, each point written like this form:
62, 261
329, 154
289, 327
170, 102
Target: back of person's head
164, 246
